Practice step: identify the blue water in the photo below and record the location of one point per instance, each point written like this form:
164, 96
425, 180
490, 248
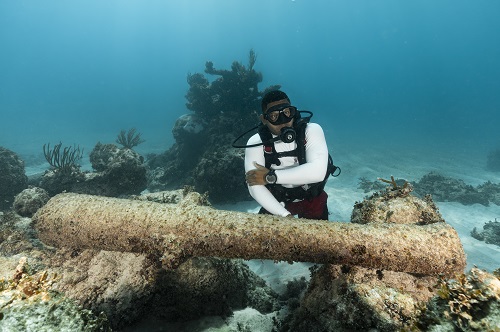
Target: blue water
377, 72
413, 75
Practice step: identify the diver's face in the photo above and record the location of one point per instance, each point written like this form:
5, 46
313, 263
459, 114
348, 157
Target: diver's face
275, 129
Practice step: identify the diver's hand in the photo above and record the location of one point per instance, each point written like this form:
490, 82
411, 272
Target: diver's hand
257, 176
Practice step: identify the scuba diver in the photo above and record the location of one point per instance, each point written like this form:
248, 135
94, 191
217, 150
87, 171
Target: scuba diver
287, 162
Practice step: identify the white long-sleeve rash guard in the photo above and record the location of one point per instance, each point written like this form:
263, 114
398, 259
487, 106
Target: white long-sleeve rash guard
290, 173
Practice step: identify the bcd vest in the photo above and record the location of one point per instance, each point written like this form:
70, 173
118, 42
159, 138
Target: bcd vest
306, 191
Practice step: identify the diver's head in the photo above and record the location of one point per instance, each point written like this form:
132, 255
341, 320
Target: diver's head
273, 96
277, 112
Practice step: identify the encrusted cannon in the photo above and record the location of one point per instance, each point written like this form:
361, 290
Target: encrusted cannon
187, 229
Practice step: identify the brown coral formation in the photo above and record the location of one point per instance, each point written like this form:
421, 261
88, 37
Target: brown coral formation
119, 171
28, 201
395, 204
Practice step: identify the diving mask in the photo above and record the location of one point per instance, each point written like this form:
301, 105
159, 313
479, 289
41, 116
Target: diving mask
280, 114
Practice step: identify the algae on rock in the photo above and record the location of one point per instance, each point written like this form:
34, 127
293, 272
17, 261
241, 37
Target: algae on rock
28, 303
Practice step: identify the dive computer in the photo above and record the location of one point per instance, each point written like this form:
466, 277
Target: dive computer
271, 177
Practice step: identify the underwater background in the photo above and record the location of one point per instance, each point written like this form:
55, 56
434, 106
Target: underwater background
401, 88
400, 74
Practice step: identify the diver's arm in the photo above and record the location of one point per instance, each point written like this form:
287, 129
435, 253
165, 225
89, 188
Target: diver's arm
259, 192
264, 197
314, 170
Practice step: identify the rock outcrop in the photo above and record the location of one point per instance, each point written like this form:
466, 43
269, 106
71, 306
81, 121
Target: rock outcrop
12, 177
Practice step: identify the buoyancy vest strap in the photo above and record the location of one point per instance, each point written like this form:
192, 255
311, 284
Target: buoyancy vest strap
271, 156
301, 143
291, 153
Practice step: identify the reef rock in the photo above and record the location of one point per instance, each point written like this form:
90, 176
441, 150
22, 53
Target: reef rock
446, 189
28, 201
211, 286
219, 172
56, 181
189, 128
29, 303
12, 177
169, 197
225, 167
348, 298
119, 171
117, 284
468, 302
490, 233
396, 205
